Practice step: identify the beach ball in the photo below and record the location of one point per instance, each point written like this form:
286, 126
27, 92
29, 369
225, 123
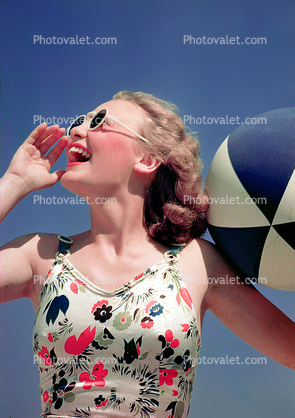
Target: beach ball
251, 190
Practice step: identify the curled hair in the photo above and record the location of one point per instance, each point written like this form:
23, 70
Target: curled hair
174, 204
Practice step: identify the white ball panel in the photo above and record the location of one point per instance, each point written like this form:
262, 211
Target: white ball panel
225, 187
286, 210
277, 263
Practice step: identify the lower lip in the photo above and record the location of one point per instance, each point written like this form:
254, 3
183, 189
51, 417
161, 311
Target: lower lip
76, 163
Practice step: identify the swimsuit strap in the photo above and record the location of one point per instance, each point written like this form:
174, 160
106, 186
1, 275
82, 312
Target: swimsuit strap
64, 245
172, 255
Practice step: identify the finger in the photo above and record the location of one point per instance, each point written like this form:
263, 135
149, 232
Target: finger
55, 153
51, 134
57, 175
54, 178
49, 141
41, 133
36, 134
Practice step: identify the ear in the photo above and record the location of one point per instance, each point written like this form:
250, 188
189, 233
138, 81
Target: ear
147, 164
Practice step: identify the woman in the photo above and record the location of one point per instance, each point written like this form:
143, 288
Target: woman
120, 311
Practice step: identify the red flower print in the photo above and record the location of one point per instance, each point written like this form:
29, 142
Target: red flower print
167, 376
76, 346
168, 345
100, 401
185, 327
138, 277
101, 311
169, 339
44, 355
99, 305
80, 282
147, 322
96, 378
151, 303
45, 396
184, 293
74, 288
50, 337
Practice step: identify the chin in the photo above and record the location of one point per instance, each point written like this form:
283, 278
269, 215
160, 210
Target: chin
77, 185
73, 185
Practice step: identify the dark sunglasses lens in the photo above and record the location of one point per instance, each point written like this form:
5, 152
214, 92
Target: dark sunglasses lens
98, 119
77, 122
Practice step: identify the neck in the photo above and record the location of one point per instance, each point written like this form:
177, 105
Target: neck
117, 222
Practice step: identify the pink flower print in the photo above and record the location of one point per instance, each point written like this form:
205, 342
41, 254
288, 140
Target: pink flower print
149, 305
96, 378
45, 396
169, 339
101, 311
76, 346
74, 288
185, 327
99, 305
139, 276
80, 282
166, 376
100, 401
168, 345
147, 322
184, 293
44, 355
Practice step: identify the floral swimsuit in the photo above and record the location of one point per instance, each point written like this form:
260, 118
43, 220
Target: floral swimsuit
128, 353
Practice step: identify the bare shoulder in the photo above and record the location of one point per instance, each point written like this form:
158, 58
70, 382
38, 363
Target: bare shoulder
205, 255
22, 259
209, 267
44, 248
199, 263
33, 246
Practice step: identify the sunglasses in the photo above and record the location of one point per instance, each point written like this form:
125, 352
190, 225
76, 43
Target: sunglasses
97, 120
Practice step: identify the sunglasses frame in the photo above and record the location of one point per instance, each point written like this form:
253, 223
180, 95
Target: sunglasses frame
106, 116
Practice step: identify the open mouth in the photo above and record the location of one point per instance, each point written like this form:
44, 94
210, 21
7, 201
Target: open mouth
78, 154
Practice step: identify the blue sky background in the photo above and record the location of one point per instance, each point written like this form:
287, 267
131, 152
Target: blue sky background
202, 80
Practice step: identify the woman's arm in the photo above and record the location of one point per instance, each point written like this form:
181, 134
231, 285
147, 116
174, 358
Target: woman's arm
246, 312
28, 171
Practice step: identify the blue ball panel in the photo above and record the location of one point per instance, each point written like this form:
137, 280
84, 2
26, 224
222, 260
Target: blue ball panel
263, 157
242, 245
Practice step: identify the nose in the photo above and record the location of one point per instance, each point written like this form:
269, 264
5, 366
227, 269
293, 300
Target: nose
80, 131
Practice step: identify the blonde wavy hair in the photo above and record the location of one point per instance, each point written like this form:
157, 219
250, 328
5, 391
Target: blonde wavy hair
174, 204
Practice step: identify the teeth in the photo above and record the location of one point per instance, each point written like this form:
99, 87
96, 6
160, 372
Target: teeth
80, 151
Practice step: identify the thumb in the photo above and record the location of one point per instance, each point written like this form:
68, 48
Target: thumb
57, 175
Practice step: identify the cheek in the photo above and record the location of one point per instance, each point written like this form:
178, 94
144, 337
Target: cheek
116, 152
114, 166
